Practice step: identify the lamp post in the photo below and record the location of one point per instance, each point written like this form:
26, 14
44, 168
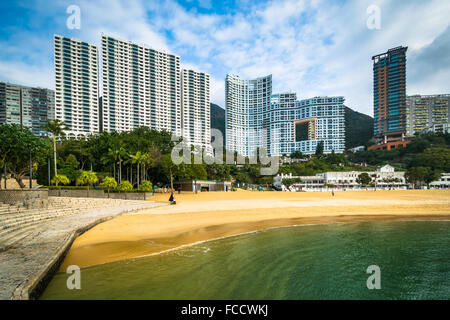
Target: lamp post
31, 169
5, 174
49, 180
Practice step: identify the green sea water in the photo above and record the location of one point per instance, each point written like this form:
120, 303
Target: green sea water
303, 262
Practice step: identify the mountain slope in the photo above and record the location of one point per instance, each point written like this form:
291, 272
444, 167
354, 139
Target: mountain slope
358, 128
218, 119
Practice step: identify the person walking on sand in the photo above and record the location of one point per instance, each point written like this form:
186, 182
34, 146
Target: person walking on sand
332, 193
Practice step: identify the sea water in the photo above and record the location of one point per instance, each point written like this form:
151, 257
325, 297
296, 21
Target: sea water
302, 262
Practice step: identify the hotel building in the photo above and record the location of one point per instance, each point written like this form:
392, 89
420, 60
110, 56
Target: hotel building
195, 105
141, 87
76, 86
389, 77
279, 123
430, 113
27, 106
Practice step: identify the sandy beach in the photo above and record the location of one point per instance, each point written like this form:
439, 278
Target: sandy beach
206, 216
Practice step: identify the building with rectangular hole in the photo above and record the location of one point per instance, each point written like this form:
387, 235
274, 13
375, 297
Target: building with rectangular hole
279, 123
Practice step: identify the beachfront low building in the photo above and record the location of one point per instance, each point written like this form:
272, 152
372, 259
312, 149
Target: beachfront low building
202, 185
442, 183
383, 178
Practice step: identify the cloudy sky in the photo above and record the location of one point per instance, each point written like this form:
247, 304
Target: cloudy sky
315, 47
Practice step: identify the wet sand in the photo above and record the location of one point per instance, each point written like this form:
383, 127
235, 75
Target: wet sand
206, 216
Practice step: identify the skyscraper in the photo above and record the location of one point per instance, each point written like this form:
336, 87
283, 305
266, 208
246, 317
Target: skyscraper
76, 86
302, 125
247, 117
27, 106
195, 117
389, 97
427, 113
141, 87
279, 123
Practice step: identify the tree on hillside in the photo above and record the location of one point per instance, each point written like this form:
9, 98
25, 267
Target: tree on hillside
56, 128
320, 148
297, 154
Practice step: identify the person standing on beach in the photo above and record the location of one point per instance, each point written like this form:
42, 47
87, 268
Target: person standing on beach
332, 193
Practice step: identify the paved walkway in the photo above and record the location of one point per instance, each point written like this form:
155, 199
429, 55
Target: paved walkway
24, 266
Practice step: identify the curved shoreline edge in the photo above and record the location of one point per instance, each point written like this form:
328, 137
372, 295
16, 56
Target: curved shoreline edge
369, 218
32, 287
36, 286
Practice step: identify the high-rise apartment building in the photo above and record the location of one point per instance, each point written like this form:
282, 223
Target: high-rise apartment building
27, 106
76, 86
141, 87
302, 125
389, 98
195, 103
247, 117
427, 113
279, 123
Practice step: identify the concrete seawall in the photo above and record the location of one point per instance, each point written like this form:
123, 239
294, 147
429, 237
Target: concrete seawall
100, 194
27, 267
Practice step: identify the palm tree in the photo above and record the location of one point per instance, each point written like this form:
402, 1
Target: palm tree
56, 128
137, 159
121, 154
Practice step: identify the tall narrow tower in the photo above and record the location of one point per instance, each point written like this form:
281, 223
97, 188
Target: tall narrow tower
389, 92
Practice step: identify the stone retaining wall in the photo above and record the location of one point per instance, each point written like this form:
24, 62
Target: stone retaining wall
32, 198
100, 194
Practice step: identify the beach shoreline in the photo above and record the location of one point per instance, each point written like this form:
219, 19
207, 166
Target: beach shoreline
212, 216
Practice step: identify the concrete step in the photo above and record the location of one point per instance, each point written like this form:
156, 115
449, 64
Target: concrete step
17, 220
15, 235
10, 215
12, 224
21, 227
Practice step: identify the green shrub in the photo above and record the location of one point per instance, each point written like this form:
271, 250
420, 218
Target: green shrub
125, 186
146, 186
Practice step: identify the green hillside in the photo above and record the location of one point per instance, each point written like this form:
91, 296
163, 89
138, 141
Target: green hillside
358, 128
218, 118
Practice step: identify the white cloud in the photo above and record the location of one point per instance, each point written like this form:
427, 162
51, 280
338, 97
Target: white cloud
314, 47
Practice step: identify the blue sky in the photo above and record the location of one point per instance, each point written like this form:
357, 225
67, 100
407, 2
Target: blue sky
315, 47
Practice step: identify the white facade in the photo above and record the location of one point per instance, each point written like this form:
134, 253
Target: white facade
76, 86
257, 119
385, 177
443, 182
141, 87
247, 105
322, 120
195, 105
